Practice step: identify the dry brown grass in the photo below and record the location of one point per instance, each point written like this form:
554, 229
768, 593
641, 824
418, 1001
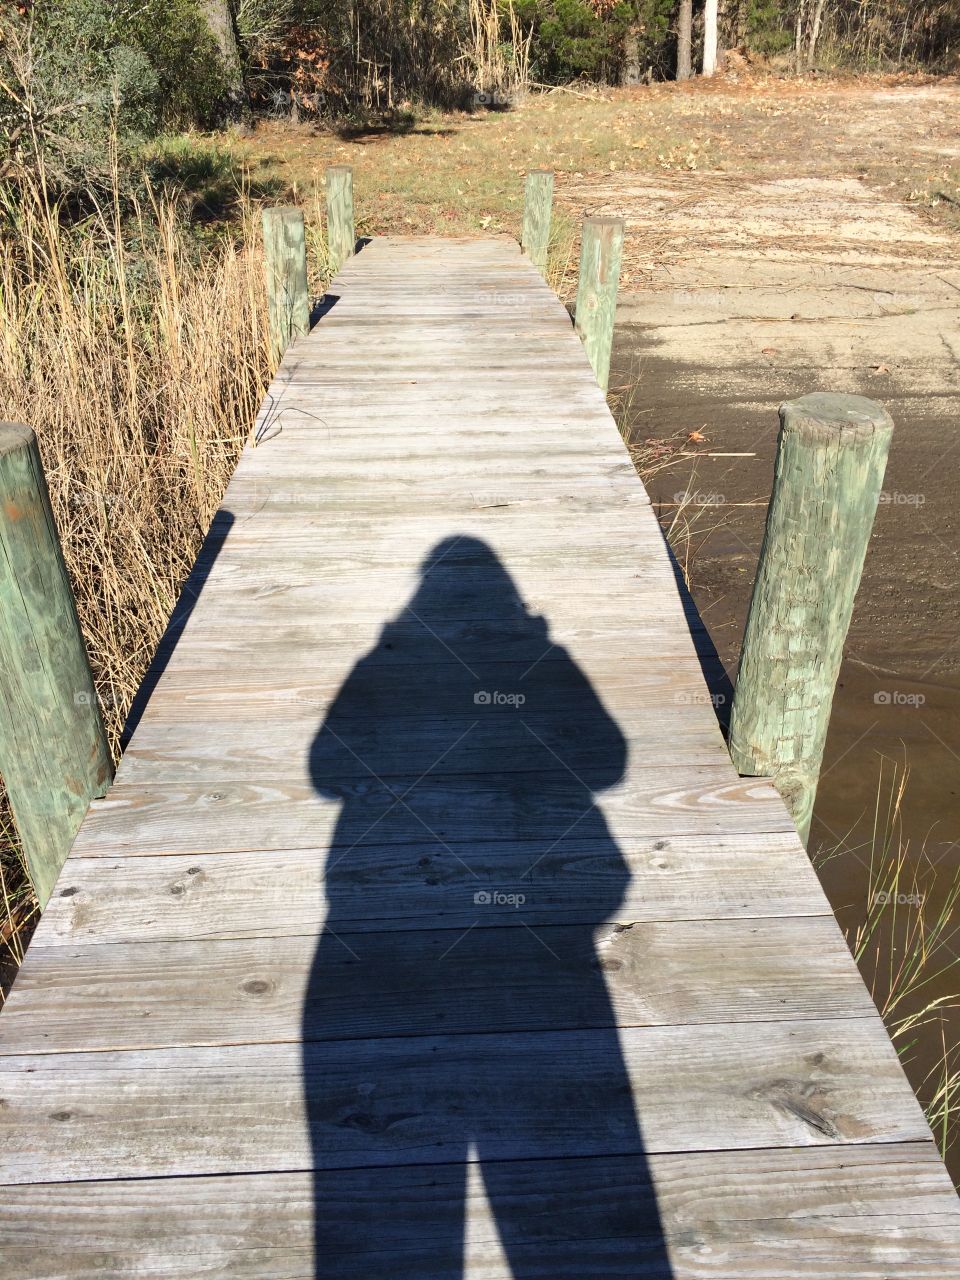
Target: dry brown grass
905, 945
141, 364
462, 173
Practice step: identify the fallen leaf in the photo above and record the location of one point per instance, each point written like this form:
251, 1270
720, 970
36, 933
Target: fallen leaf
768, 351
697, 437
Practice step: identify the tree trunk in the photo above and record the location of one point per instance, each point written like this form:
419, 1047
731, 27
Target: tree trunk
815, 32
710, 37
801, 22
743, 17
685, 40
220, 20
632, 71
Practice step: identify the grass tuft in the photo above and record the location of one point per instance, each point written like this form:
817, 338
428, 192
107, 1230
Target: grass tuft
905, 949
141, 365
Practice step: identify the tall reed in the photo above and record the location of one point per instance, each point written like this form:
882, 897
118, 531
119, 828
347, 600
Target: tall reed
905, 944
497, 65
140, 361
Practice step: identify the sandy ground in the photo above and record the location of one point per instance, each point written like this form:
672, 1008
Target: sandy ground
809, 268
770, 289
803, 271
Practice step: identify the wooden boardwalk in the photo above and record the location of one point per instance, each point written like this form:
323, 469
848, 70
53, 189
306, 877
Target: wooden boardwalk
428, 931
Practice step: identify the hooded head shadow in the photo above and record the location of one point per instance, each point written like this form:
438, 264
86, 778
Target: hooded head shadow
457, 1010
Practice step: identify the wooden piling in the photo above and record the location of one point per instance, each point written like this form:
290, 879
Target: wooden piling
54, 757
831, 457
285, 249
537, 208
601, 251
341, 231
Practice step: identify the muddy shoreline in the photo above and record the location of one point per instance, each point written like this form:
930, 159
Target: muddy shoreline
897, 703
899, 689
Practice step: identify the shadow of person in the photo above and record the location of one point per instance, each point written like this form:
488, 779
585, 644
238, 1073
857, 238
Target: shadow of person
457, 1012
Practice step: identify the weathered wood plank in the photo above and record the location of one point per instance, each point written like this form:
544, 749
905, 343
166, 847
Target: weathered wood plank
601, 249
537, 206
525, 537
341, 232
808, 1214
459, 810
158, 995
447, 595
181, 897
285, 259
258, 752
447, 484
439, 1099
302, 689
261, 645
54, 753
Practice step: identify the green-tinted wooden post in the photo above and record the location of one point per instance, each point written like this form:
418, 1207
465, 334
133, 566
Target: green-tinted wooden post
601, 251
831, 456
54, 757
285, 249
341, 233
537, 208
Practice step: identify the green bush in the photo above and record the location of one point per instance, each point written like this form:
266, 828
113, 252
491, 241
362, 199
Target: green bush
769, 27
180, 47
654, 29
68, 85
576, 39
84, 82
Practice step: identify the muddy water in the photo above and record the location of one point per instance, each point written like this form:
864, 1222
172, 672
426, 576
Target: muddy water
898, 697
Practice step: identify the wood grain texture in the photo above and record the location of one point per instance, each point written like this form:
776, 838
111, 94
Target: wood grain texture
459, 810
288, 299
160, 995
537, 209
341, 234
445, 1099
831, 458
185, 897
601, 249
367, 967
54, 755
257, 752
304, 689
852, 1212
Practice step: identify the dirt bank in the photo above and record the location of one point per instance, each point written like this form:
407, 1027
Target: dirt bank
748, 289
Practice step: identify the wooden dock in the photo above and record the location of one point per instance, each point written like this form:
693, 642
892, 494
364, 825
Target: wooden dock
428, 931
